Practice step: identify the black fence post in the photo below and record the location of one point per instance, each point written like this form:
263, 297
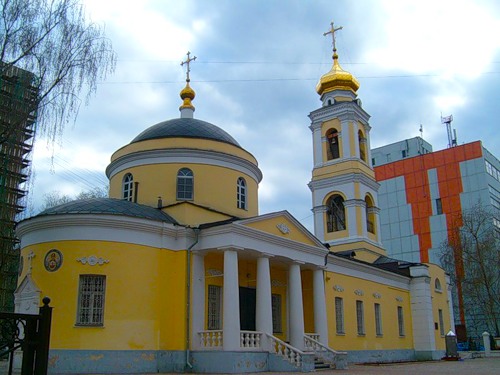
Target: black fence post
42, 352
28, 346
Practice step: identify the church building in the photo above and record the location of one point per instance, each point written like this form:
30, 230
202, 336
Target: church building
178, 272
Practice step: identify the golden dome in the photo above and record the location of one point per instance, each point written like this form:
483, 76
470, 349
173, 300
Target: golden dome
337, 79
187, 94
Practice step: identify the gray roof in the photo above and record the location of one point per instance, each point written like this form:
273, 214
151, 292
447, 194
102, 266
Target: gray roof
109, 206
185, 128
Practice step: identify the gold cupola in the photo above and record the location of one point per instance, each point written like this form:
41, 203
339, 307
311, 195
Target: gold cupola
337, 78
187, 93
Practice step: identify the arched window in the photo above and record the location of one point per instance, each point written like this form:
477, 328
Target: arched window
437, 285
241, 194
185, 183
128, 187
332, 150
370, 215
362, 146
335, 214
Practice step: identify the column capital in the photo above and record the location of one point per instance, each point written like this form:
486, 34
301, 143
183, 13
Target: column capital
230, 248
265, 255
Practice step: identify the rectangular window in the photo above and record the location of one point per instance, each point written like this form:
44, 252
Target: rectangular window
439, 207
91, 300
378, 320
404, 153
214, 307
339, 315
401, 323
441, 322
360, 317
276, 307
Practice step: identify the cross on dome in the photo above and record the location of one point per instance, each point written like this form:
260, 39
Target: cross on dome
332, 31
187, 93
186, 62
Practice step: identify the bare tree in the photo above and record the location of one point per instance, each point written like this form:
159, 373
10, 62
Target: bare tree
55, 198
67, 56
472, 257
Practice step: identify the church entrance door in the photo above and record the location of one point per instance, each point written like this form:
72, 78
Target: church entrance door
247, 309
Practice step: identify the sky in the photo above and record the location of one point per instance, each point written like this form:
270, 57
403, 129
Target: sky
255, 75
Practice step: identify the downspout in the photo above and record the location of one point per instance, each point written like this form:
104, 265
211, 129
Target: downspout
188, 295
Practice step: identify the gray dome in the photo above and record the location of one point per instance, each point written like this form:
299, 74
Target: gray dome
108, 206
185, 128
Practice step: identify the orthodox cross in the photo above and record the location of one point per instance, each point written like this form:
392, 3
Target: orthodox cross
332, 31
188, 60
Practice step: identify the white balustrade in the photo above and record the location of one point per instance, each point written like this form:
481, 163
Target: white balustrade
250, 339
211, 339
333, 357
287, 352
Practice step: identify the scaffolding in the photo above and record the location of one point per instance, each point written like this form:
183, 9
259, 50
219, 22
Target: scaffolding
18, 104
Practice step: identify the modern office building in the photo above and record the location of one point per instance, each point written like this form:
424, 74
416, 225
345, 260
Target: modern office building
422, 197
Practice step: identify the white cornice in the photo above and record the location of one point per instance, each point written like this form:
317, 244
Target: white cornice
345, 110
327, 183
184, 156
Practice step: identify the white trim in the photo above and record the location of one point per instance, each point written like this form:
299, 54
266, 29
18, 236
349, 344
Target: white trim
184, 156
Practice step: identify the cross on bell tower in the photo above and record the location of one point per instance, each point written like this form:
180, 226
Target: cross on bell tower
332, 31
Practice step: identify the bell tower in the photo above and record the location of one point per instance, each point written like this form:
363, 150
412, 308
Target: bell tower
343, 186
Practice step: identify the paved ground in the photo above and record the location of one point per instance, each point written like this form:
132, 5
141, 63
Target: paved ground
477, 366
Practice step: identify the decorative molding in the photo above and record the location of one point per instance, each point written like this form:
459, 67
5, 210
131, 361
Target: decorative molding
359, 292
283, 228
277, 283
215, 272
399, 299
338, 288
377, 295
92, 260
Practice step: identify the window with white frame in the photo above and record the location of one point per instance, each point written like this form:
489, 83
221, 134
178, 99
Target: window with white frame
339, 315
441, 322
378, 319
401, 322
360, 317
437, 285
276, 310
91, 294
185, 184
241, 194
214, 307
128, 187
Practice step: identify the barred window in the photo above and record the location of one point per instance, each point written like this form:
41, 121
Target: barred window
91, 300
214, 307
339, 315
360, 317
378, 320
401, 323
276, 308
241, 194
128, 187
335, 214
441, 322
185, 184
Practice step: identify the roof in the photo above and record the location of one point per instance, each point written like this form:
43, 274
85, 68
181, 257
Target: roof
186, 128
108, 206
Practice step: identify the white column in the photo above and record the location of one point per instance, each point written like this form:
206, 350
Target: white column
320, 321
319, 221
296, 307
264, 311
197, 299
351, 218
231, 302
422, 318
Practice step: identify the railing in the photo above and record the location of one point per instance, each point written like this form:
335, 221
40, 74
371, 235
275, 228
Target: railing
250, 340
287, 352
211, 339
30, 334
330, 356
314, 336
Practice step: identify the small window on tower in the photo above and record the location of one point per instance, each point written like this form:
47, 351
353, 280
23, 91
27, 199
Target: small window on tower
333, 150
439, 207
128, 187
241, 194
185, 184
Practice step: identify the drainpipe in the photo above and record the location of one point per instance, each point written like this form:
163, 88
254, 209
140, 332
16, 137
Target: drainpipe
188, 295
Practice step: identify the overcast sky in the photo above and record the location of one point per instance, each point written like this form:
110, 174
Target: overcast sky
257, 66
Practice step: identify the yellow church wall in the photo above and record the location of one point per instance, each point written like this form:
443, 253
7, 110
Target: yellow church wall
352, 289
188, 214
439, 302
142, 310
270, 226
176, 143
342, 168
220, 196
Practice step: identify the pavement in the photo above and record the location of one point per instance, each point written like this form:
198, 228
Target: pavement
468, 366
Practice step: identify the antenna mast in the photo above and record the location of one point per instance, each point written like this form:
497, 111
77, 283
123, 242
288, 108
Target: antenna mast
452, 136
